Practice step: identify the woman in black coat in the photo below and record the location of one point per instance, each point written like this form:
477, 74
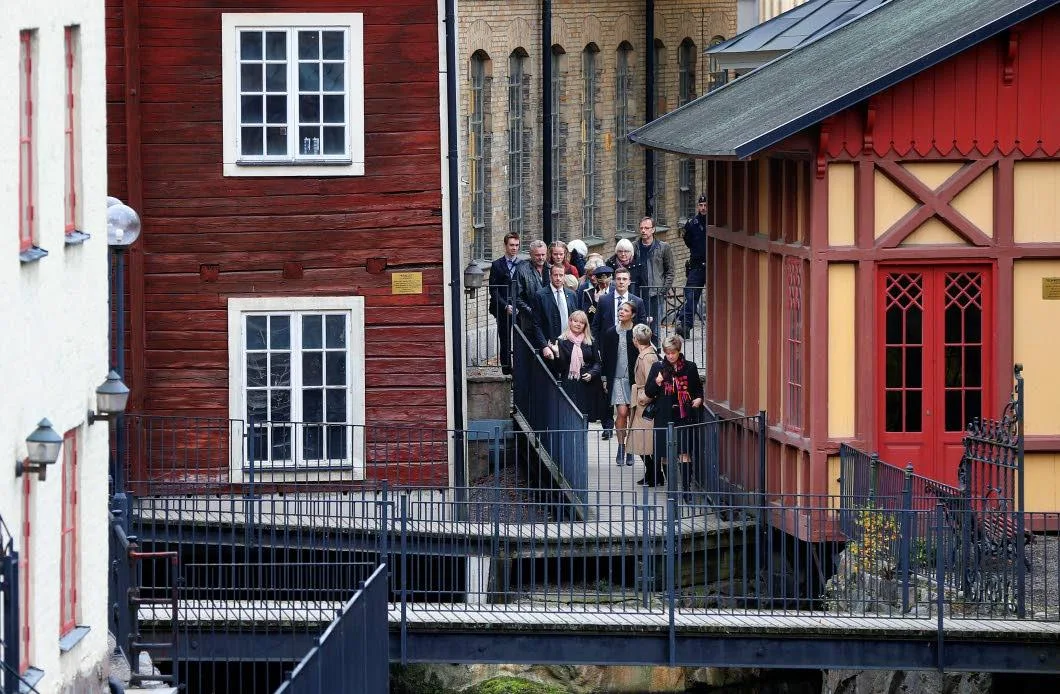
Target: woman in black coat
575, 360
675, 386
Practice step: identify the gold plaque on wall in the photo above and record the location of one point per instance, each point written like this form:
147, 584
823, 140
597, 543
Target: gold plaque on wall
1051, 288
406, 283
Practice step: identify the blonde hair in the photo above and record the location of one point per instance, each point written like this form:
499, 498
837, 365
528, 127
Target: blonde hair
592, 263
570, 281
641, 334
673, 343
585, 319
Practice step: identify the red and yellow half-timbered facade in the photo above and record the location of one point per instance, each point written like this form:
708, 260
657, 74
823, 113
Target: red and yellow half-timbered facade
875, 274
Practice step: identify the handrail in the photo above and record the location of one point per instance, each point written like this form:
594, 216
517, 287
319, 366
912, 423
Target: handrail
544, 367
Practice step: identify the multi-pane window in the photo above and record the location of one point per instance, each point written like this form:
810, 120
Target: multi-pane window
794, 343
658, 158
478, 156
293, 93
72, 158
518, 140
293, 86
25, 568
27, 147
559, 181
68, 535
623, 173
297, 370
686, 91
590, 135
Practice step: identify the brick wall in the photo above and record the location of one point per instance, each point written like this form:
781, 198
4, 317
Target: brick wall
498, 27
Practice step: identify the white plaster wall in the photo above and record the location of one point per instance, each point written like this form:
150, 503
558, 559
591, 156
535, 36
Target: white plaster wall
53, 323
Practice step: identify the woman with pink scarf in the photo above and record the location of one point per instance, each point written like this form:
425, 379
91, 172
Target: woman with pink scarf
577, 363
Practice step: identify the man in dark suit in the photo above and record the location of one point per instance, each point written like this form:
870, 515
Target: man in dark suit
553, 305
530, 277
607, 306
502, 296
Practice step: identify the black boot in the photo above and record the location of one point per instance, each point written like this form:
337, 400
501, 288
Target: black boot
686, 481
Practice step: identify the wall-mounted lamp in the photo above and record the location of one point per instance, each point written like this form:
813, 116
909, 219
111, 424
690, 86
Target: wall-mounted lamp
111, 398
473, 277
42, 450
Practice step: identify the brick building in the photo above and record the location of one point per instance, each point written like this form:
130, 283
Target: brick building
598, 93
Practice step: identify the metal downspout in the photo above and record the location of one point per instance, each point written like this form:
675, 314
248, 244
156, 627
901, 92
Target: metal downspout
547, 231
649, 104
456, 264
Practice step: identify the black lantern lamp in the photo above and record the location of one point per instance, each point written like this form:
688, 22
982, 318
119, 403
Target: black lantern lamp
111, 398
473, 277
42, 450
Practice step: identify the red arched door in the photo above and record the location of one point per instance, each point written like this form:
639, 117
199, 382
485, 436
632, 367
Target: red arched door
933, 363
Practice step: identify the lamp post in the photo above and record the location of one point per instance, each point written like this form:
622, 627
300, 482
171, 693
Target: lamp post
123, 228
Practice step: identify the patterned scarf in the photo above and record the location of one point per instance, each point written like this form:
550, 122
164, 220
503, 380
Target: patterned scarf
575, 371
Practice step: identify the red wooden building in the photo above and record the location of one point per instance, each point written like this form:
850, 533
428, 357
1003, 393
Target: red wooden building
286, 159
886, 242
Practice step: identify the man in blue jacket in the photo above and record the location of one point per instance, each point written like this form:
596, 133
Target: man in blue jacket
502, 296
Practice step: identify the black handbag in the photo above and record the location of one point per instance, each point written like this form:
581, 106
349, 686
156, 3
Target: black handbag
649, 410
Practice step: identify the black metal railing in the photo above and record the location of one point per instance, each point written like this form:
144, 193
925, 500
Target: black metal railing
488, 326
352, 653
10, 661
554, 420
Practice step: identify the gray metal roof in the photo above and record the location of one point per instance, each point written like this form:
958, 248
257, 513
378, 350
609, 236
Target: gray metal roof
881, 48
796, 27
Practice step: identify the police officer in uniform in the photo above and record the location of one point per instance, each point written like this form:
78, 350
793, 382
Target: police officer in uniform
695, 237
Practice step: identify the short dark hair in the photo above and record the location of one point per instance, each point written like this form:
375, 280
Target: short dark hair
623, 271
509, 236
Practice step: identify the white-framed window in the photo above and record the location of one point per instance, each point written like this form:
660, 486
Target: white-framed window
293, 86
296, 377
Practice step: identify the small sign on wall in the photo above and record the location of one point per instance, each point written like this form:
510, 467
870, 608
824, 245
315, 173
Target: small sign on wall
406, 283
1051, 288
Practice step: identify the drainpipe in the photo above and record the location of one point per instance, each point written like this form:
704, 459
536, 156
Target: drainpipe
649, 104
456, 294
546, 141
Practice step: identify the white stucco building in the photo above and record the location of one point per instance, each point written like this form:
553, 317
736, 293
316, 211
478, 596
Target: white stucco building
53, 316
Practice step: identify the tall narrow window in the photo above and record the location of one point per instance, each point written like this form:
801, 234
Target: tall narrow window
25, 568
686, 91
518, 140
68, 535
72, 159
559, 136
590, 135
623, 173
478, 155
794, 339
659, 158
27, 148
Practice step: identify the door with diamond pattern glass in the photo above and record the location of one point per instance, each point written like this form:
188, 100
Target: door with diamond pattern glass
933, 364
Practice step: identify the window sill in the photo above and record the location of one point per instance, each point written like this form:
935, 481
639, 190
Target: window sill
294, 169
31, 255
72, 638
594, 240
627, 235
76, 238
30, 679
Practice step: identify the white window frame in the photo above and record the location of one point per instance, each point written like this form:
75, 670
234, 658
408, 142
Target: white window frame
234, 163
353, 306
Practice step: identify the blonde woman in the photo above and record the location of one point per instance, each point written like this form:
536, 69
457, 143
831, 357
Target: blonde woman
577, 361
640, 438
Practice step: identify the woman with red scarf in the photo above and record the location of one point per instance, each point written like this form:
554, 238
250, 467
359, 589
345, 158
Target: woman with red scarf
675, 385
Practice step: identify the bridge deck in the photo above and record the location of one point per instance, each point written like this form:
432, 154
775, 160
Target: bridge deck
238, 613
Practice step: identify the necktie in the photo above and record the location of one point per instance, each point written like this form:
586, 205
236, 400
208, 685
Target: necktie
618, 304
561, 302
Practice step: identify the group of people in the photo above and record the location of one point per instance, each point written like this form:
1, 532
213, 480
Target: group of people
595, 324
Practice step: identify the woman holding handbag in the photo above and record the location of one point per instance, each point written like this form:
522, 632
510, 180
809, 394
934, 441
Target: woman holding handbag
640, 439
577, 361
675, 384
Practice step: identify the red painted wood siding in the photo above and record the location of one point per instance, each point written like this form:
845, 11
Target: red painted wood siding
965, 105
251, 227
